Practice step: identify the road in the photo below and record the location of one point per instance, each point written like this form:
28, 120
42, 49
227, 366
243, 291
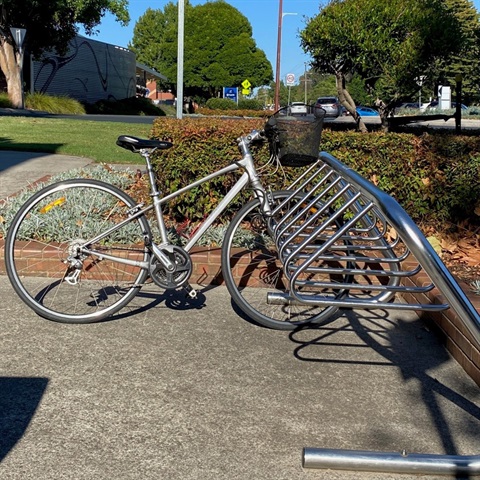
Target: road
467, 124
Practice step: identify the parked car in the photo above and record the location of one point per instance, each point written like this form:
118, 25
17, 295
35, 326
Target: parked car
434, 104
297, 108
367, 112
406, 108
331, 105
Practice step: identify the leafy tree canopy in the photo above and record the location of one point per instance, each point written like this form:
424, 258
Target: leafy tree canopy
388, 44
219, 50
466, 62
52, 23
49, 24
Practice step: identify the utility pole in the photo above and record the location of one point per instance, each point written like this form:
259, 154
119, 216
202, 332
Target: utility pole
181, 36
279, 49
305, 78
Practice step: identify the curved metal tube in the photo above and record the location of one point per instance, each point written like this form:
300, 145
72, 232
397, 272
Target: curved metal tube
418, 245
366, 461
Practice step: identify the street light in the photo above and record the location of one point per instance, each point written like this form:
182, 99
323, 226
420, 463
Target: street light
279, 48
180, 56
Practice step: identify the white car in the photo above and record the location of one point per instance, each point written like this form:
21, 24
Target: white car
297, 108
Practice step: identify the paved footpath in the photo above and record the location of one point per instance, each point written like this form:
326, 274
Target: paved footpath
193, 391
186, 391
20, 169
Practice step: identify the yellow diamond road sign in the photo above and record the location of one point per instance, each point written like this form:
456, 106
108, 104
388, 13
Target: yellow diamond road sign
246, 84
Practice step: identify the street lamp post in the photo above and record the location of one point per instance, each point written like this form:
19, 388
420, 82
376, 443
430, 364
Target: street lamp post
180, 55
279, 49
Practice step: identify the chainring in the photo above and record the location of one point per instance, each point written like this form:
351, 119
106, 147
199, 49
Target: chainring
179, 276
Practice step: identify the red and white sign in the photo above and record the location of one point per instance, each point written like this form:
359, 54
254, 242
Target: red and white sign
290, 79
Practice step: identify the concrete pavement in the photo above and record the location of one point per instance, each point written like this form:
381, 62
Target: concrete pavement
177, 390
20, 169
172, 390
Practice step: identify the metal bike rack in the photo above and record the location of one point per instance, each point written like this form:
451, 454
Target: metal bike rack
346, 243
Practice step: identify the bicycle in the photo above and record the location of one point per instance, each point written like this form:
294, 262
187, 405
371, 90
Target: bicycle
97, 248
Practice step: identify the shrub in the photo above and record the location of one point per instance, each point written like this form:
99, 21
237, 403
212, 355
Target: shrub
201, 146
221, 104
53, 104
249, 104
434, 177
5, 101
126, 106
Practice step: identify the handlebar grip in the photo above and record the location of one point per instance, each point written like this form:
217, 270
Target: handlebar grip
270, 127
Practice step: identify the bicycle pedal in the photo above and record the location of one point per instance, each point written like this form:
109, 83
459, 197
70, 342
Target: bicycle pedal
191, 292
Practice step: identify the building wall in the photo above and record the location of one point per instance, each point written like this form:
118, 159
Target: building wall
90, 71
156, 95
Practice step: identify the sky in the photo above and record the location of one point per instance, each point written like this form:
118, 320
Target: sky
263, 16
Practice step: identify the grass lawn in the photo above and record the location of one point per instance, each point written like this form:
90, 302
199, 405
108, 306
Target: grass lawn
82, 138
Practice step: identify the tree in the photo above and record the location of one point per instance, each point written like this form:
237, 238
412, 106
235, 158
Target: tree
466, 62
50, 24
219, 48
387, 44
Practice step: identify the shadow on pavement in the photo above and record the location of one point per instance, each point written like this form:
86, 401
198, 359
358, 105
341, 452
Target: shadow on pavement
19, 399
406, 345
149, 298
12, 156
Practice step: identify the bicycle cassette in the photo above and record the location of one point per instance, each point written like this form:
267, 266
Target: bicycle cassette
177, 277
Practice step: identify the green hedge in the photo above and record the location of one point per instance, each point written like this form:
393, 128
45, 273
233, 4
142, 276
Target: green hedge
434, 177
126, 106
221, 104
227, 104
201, 146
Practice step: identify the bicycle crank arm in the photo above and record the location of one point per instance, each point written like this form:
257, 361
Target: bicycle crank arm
163, 259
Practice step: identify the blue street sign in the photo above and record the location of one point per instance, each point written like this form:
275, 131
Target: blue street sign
231, 93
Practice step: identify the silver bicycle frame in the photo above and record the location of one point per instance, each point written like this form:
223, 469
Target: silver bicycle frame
249, 176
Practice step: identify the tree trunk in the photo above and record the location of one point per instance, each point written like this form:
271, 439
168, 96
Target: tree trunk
10, 66
347, 101
384, 112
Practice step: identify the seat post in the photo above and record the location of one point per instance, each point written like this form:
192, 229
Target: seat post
155, 194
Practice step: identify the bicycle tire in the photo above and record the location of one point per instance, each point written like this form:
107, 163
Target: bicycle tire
251, 272
51, 226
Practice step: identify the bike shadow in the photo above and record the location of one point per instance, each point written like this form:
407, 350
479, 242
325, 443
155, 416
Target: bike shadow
380, 339
150, 297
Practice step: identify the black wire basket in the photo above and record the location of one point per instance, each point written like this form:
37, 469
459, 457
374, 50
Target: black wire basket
295, 140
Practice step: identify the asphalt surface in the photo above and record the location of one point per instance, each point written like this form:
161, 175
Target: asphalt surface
175, 390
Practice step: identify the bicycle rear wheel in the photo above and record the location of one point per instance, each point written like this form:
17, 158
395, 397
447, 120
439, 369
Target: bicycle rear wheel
56, 268
252, 270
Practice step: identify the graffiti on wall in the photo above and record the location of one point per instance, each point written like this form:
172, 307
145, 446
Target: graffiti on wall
90, 71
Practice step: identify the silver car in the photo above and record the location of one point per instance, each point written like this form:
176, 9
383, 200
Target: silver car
331, 105
297, 108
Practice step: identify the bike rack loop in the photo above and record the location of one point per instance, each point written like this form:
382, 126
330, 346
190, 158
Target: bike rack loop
292, 239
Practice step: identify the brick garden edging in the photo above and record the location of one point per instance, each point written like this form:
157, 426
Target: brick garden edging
450, 328
455, 337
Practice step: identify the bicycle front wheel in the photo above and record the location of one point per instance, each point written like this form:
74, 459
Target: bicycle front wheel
252, 270
58, 267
